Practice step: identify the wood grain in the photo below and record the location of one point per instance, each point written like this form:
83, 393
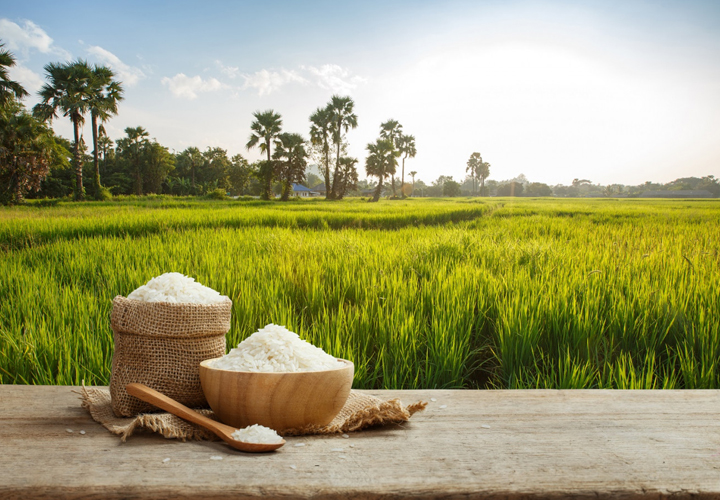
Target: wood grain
224, 432
280, 401
483, 444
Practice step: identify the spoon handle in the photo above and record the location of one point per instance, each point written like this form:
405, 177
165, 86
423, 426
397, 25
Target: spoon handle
141, 391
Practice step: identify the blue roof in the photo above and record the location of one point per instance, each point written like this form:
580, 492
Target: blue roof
299, 187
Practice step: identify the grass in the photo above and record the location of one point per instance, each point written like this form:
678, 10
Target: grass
489, 293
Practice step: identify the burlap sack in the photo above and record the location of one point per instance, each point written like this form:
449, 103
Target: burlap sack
360, 411
161, 345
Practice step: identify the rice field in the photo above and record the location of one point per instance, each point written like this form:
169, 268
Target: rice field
463, 293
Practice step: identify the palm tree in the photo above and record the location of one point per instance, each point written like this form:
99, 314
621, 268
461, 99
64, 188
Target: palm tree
105, 93
406, 146
483, 173
266, 128
67, 92
292, 160
105, 144
413, 174
473, 165
391, 130
380, 162
8, 87
135, 141
321, 135
343, 118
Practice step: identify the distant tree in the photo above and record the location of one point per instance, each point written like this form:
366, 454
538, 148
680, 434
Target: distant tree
491, 187
27, 149
420, 187
413, 174
406, 147
216, 165
265, 174
60, 181
707, 183
436, 187
187, 163
710, 183
466, 186
391, 130
473, 167
321, 134
451, 188
239, 175
157, 162
312, 180
483, 173
130, 149
364, 186
105, 147
67, 91
538, 189
104, 93
9, 89
512, 188
522, 179
179, 186
380, 162
291, 160
343, 119
348, 178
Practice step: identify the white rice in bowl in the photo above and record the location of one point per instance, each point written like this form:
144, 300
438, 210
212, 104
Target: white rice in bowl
176, 288
276, 349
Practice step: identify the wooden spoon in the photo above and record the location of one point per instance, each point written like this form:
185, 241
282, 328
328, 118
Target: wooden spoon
223, 431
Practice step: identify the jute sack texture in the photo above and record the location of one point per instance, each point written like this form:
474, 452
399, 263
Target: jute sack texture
361, 411
161, 345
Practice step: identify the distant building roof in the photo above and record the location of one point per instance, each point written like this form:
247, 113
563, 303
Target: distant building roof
320, 188
682, 193
299, 187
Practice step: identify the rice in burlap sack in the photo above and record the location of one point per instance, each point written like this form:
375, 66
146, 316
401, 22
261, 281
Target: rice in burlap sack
360, 411
161, 345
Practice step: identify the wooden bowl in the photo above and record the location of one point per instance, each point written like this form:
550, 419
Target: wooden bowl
276, 400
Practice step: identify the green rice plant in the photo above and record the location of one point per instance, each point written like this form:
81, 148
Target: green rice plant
492, 293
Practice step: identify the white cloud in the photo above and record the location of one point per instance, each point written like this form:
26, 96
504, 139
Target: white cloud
230, 71
129, 75
267, 82
335, 78
27, 78
328, 76
182, 85
29, 36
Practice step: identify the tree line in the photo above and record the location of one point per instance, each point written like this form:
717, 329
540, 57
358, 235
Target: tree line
35, 162
328, 146
521, 186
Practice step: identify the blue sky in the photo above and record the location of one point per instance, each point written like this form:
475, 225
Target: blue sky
610, 91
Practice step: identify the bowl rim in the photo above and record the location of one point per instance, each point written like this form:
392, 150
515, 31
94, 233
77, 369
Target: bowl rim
348, 364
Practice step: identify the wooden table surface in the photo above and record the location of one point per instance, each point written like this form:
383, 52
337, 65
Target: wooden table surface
467, 444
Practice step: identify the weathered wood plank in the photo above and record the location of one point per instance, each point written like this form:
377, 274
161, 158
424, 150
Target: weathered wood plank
608, 444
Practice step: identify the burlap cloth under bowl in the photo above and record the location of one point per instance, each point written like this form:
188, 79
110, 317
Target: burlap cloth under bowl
360, 411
